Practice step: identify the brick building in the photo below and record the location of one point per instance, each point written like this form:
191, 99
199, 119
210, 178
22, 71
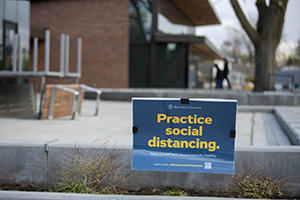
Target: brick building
103, 27
125, 43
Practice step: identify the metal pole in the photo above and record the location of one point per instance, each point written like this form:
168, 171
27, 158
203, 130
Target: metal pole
97, 95
79, 42
20, 54
62, 52
35, 54
52, 103
36, 94
75, 103
47, 51
67, 56
97, 102
79, 97
292, 84
15, 51
42, 95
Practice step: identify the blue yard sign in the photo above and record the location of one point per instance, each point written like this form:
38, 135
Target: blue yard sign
184, 135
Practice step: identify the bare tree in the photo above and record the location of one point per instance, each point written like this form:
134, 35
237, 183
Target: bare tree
265, 38
231, 48
241, 36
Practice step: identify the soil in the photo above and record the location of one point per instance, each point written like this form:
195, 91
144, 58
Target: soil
124, 191
156, 191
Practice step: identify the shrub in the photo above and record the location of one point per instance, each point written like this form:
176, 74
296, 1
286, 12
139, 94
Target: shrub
96, 169
255, 181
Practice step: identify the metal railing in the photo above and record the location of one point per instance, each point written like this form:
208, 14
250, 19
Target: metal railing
281, 75
64, 59
85, 87
76, 98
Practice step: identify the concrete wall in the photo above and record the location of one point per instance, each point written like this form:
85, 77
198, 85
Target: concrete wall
17, 166
22, 163
243, 97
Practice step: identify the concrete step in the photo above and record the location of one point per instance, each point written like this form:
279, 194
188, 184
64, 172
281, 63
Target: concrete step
259, 136
275, 134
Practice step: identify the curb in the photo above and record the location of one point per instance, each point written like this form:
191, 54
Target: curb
17, 195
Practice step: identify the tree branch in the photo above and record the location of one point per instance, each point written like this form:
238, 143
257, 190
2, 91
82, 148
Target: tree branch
261, 7
252, 33
280, 6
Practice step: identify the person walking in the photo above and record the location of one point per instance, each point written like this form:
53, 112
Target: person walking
225, 73
218, 78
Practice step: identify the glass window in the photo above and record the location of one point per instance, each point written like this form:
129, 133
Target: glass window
140, 36
1, 32
139, 65
140, 20
172, 60
14, 18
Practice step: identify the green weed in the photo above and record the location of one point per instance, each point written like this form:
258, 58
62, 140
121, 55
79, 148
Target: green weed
174, 192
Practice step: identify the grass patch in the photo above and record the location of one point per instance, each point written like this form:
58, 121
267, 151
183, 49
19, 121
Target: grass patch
175, 192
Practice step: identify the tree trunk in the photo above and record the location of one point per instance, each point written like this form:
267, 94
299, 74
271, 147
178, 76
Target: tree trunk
265, 38
265, 64
269, 27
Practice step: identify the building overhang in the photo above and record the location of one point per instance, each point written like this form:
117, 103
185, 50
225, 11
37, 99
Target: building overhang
189, 12
199, 45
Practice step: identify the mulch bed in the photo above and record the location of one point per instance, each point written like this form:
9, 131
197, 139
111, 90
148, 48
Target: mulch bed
123, 191
156, 191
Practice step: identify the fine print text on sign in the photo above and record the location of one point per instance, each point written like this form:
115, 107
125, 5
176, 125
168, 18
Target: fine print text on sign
184, 135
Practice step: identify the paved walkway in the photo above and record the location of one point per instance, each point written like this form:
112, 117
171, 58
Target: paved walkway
114, 121
112, 124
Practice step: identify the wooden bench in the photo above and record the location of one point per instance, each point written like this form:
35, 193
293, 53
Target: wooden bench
64, 100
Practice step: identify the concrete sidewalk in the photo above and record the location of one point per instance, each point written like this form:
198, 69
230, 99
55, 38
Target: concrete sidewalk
114, 121
113, 125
